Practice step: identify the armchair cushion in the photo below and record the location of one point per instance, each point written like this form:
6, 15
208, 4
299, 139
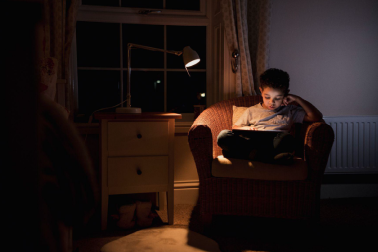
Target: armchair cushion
237, 112
241, 168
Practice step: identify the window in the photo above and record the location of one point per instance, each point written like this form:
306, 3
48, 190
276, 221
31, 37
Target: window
159, 81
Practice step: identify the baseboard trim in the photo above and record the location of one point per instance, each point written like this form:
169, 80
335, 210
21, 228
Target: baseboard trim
350, 179
334, 191
187, 192
186, 184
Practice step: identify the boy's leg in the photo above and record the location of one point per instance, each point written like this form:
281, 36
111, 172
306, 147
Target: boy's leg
283, 142
283, 145
265, 148
233, 145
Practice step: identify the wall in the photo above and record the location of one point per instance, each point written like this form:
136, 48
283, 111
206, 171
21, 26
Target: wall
329, 48
185, 171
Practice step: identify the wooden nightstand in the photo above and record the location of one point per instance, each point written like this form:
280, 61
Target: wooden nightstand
136, 156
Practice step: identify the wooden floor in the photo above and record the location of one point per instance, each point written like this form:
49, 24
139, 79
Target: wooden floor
345, 225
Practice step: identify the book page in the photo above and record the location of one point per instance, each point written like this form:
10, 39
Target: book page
253, 128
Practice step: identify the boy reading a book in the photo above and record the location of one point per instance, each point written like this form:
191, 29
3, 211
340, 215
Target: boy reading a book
275, 116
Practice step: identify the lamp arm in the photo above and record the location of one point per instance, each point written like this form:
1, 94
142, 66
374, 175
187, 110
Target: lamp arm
130, 45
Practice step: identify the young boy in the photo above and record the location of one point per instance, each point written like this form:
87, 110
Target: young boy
278, 112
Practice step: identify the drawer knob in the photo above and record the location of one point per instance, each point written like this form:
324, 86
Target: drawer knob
139, 136
139, 171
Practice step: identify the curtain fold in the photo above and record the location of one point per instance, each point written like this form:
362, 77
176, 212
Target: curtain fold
246, 77
59, 27
258, 16
244, 21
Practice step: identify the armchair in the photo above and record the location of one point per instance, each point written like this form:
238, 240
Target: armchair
265, 195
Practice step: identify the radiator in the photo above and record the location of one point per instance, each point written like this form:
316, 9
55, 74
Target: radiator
355, 149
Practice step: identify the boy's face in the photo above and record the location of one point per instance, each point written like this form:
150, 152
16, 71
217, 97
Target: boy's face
272, 98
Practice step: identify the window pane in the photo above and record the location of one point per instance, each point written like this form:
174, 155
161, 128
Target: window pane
97, 44
182, 4
153, 4
114, 3
147, 90
183, 91
180, 36
97, 89
147, 35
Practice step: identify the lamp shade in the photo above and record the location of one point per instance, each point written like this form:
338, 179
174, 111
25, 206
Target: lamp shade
190, 56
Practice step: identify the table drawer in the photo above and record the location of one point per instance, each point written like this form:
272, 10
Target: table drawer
137, 138
123, 171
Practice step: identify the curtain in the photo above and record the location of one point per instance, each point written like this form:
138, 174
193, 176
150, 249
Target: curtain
258, 17
59, 27
236, 30
244, 21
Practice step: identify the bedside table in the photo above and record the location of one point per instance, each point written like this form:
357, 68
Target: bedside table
136, 156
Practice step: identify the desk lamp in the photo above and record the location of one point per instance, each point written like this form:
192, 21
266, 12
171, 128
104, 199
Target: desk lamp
189, 56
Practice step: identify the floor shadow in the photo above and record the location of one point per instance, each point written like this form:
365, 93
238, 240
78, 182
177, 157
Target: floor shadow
345, 225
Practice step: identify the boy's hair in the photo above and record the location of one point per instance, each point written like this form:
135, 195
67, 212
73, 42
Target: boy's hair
275, 78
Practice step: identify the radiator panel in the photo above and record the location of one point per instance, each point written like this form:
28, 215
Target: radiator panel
355, 147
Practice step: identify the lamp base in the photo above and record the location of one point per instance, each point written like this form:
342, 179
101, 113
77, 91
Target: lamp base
129, 110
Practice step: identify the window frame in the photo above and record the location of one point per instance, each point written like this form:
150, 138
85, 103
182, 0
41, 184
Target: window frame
122, 15
130, 11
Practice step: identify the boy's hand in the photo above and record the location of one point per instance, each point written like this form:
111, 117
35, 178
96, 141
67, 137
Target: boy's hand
290, 99
312, 113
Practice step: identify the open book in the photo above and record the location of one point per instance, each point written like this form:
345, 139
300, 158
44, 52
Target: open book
255, 133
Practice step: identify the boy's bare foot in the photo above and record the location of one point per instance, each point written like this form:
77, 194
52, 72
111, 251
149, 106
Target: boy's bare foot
284, 158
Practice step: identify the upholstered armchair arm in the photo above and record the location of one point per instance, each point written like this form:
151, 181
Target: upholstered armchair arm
202, 137
318, 142
201, 145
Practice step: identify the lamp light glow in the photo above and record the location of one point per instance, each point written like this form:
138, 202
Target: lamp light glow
192, 63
